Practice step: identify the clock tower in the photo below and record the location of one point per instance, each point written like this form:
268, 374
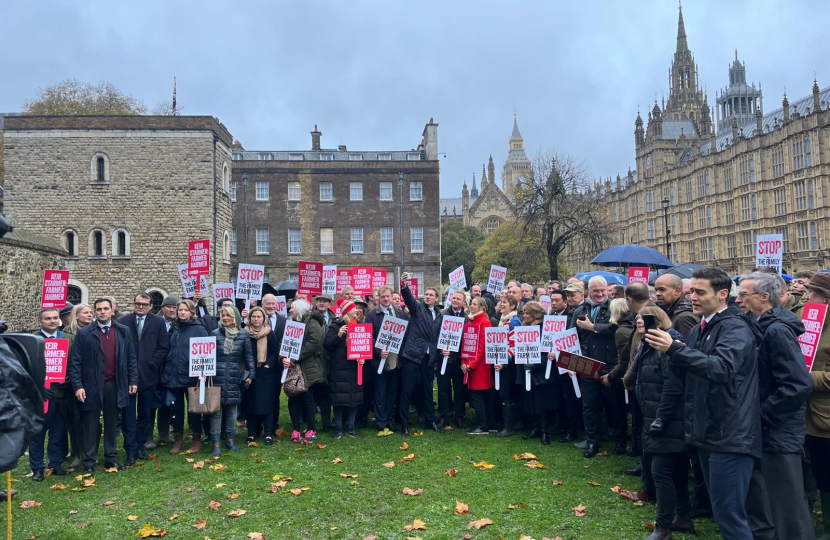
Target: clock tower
517, 166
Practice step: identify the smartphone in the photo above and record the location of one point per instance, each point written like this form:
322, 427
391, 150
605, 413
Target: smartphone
650, 322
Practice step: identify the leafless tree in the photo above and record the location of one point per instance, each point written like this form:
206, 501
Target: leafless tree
557, 202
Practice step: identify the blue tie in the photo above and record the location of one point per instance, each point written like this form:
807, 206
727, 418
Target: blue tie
594, 313
106, 330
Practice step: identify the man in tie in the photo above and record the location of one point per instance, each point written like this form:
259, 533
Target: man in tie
277, 324
151, 343
451, 382
384, 386
104, 374
53, 421
722, 404
167, 311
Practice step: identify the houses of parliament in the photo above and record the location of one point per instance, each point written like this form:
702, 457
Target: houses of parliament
707, 181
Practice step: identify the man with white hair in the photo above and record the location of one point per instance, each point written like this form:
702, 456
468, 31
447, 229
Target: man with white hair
596, 338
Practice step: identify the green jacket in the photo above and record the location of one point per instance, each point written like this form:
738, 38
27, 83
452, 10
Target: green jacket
311, 358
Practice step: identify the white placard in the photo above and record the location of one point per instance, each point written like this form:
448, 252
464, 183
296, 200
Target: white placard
292, 340
189, 283
552, 325
566, 341
497, 345
458, 281
202, 356
249, 281
330, 279
282, 306
545, 301
222, 290
496, 281
450, 337
391, 334
769, 250
528, 344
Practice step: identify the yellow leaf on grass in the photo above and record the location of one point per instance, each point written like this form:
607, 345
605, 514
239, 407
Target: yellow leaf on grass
237, 513
221, 485
616, 489
185, 452
639, 503
336, 460
416, 525
410, 457
199, 465
321, 446
59, 487
451, 472
603, 453
412, 492
147, 531
188, 490
190, 460
479, 523
389, 464
109, 503
256, 536
111, 470
73, 512
30, 504
200, 524
233, 496
132, 518
483, 465
526, 455
296, 491
215, 505
533, 464
417, 433
253, 444
83, 525
579, 511
89, 482
348, 475
595, 484
558, 483
174, 516
218, 467
461, 509
153, 457
404, 446
282, 433
82, 476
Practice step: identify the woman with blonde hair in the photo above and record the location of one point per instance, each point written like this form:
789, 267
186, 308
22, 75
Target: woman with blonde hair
81, 316
543, 396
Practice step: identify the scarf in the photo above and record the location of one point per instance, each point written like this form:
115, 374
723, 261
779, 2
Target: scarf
505, 319
260, 336
230, 333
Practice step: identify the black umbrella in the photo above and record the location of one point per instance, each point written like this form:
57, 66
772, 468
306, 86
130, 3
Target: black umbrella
682, 270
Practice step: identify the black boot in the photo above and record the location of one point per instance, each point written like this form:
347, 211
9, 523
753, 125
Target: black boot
545, 432
660, 533
532, 434
509, 413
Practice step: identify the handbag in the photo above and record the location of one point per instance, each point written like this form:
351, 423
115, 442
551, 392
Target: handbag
294, 382
213, 399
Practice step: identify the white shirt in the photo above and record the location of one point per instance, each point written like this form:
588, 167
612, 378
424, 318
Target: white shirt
48, 336
709, 318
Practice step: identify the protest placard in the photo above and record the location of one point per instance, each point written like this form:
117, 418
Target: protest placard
469, 342
496, 281
282, 306
249, 279
292, 341
638, 273
330, 279
567, 340
528, 345
545, 301
414, 287
189, 282
198, 257
551, 325
362, 280
222, 290
378, 278
497, 348
55, 289
359, 345
813, 318
202, 361
769, 250
458, 280
587, 367
56, 354
344, 279
450, 337
310, 280
391, 334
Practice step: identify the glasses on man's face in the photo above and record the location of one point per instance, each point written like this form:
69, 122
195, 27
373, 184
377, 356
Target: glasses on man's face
141, 304
744, 294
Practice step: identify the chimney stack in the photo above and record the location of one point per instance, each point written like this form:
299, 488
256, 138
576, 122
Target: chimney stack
315, 138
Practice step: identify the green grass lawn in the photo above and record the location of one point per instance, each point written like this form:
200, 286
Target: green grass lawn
349, 508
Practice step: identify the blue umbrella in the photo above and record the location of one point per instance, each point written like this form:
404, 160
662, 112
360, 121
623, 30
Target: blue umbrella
610, 277
632, 255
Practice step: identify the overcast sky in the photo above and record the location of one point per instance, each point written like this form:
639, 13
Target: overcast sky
371, 74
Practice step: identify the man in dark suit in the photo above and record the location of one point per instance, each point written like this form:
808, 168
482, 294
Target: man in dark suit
104, 374
277, 324
452, 380
151, 343
386, 383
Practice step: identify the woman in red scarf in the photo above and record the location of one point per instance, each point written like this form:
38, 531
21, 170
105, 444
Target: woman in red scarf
479, 374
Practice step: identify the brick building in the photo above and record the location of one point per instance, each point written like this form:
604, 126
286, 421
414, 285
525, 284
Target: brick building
122, 195
713, 189
338, 206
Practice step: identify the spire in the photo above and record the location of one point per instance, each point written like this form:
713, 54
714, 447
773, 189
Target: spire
816, 95
516, 135
491, 172
682, 46
474, 191
175, 111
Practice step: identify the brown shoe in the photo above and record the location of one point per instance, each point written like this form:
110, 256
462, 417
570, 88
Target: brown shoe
195, 446
177, 443
636, 496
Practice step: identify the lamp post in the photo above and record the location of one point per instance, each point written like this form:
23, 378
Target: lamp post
401, 268
666, 202
245, 178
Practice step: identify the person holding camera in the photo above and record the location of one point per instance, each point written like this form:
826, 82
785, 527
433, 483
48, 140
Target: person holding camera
660, 393
104, 374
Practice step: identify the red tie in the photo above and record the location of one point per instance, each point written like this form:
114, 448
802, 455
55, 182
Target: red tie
702, 325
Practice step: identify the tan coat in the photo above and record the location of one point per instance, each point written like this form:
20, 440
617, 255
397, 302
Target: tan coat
818, 409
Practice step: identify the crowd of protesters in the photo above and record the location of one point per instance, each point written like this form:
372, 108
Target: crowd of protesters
709, 369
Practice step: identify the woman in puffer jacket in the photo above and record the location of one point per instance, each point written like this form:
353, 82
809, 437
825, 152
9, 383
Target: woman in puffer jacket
233, 355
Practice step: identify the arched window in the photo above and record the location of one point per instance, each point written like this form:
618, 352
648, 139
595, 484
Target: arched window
70, 242
157, 299
100, 168
490, 224
74, 295
77, 290
121, 243
97, 244
226, 248
226, 178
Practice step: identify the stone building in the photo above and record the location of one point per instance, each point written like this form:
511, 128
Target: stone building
338, 206
23, 259
122, 195
713, 190
493, 206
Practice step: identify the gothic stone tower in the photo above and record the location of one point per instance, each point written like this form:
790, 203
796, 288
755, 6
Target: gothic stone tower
517, 166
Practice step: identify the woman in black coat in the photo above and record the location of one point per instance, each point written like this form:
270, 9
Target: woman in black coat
258, 400
543, 396
344, 392
233, 351
176, 377
660, 392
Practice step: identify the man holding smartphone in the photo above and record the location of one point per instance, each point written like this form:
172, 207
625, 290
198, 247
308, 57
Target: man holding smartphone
722, 408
